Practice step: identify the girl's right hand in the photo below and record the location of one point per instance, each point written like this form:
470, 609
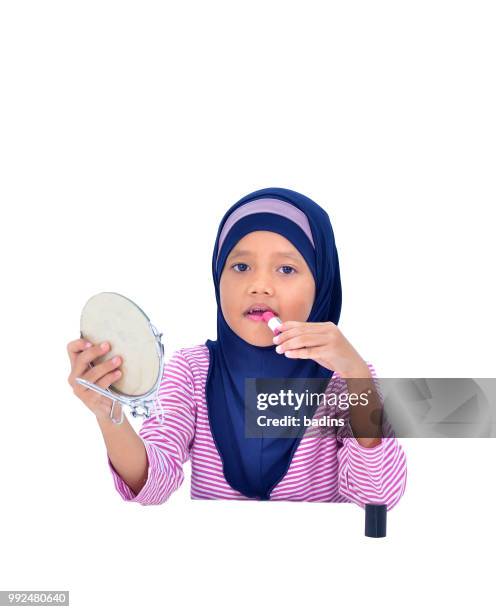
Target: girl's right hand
103, 374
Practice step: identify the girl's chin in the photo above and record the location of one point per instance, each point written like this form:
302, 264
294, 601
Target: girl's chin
258, 335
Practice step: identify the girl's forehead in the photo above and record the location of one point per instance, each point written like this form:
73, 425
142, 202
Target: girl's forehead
265, 250
266, 239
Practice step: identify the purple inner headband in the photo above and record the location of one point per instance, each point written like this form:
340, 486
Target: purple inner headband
266, 205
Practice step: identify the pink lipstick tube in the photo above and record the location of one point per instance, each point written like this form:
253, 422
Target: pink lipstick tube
272, 321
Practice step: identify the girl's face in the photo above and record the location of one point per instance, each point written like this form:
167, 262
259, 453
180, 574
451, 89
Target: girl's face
265, 268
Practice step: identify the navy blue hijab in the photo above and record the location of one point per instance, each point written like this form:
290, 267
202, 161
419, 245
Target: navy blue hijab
254, 466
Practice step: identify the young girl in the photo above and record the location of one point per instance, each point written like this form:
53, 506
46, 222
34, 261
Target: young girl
275, 251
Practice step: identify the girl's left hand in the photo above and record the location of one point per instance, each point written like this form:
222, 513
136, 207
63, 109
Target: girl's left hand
322, 342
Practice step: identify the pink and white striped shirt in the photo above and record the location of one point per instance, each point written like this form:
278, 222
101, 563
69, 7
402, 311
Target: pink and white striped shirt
333, 468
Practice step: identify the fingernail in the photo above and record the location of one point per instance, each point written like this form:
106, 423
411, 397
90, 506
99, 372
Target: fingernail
278, 349
87, 345
275, 339
104, 346
115, 360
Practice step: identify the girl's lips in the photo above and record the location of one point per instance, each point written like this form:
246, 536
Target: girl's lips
256, 316
259, 316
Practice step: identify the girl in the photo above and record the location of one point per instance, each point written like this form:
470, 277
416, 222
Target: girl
275, 251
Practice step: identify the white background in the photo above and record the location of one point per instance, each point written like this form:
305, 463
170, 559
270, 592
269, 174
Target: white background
127, 130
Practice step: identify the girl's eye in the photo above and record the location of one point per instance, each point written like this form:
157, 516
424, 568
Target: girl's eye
239, 264
288, 270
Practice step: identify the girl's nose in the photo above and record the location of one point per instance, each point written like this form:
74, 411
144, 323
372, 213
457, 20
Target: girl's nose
262, 284
264, 288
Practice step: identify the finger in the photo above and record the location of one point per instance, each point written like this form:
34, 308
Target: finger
96, 401
100, 403
83, 359
93, 398
285, 325
109, 378
290, 325
75, 347
302, 341
102, 369
309, 328
303, 353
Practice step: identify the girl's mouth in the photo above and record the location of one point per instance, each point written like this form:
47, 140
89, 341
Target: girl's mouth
255, 313
255, 316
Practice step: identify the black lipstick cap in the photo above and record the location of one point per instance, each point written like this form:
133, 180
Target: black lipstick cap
375, 520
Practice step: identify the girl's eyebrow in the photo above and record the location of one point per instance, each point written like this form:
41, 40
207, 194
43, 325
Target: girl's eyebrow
241, 252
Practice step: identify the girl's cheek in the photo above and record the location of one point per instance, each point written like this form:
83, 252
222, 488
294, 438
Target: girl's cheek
298, 301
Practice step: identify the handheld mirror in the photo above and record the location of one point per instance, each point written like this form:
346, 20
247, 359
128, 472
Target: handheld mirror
113, 317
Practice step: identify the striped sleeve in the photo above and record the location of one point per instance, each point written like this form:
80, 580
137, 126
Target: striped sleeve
375, 475
167, 434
